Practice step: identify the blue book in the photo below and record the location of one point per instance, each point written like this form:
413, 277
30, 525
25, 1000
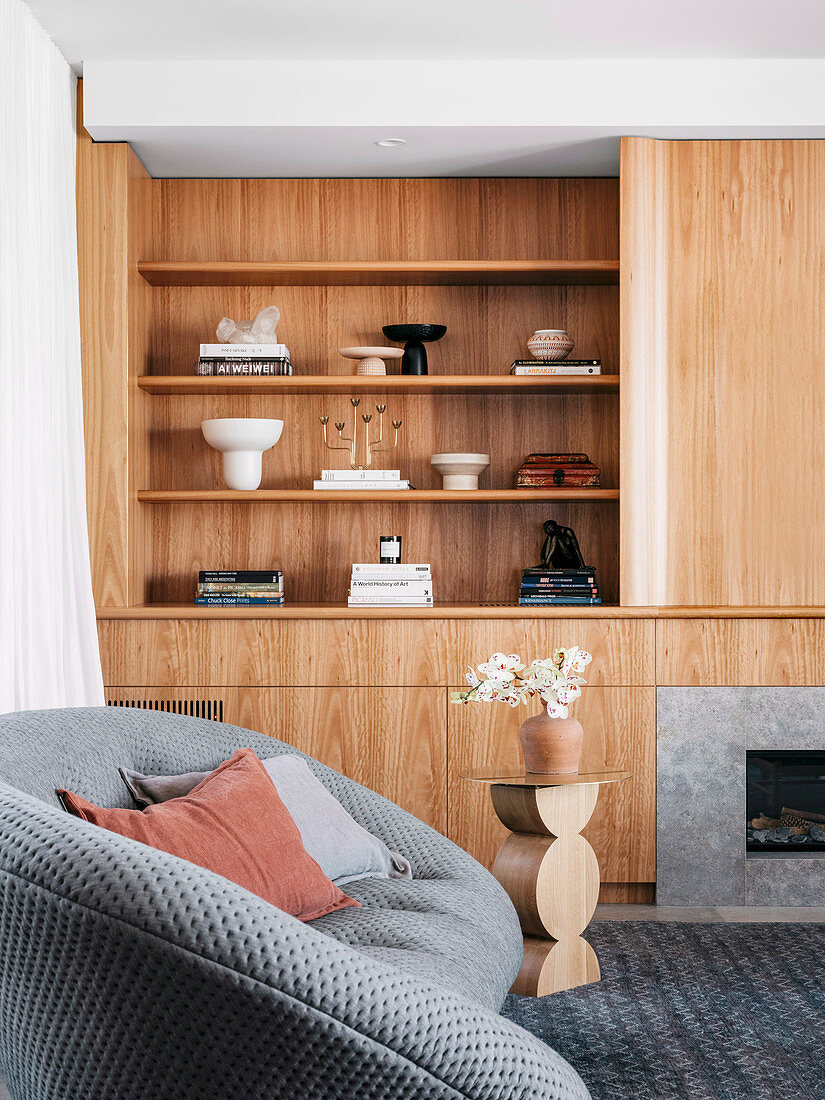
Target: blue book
549, 586
560, 601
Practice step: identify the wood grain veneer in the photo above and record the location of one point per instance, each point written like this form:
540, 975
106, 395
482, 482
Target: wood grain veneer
102, 248
741, 651
620, 733
114, 225
723, 392
379, 272
373, 220
392, 384
391, 741
363, 496
331, 651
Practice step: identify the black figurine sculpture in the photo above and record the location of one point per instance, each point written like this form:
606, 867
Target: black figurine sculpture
561, 548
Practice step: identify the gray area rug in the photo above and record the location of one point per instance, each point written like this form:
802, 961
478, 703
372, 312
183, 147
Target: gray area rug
693, 1012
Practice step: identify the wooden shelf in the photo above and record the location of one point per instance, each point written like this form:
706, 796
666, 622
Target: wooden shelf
362, 496
392, 383
380, 272
452, 611
341, 611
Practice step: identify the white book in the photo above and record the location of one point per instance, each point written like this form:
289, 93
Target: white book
387, 569
244, 351
390, 601
390, 587
366, 486
360, 475
560, 369
372, 578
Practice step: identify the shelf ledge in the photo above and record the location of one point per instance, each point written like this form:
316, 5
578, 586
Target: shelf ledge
341, 611
309, 384
386, 496
452, 611
380, 272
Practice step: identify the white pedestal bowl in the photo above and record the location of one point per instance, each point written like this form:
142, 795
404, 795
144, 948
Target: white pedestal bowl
242, 441
460, 471
371, 360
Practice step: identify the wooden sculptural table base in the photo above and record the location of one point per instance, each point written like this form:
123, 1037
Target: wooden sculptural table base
551, 874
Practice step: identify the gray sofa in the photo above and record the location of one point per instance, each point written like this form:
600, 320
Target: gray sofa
127, 972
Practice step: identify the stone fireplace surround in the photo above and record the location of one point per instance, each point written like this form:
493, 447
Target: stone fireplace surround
702, 738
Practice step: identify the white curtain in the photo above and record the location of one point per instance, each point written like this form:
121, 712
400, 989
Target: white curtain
48, 641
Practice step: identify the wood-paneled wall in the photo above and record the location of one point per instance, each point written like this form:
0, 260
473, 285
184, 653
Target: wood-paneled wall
114, 226
372, 699
723, 387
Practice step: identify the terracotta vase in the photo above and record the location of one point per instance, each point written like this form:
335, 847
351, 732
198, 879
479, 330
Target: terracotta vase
551, 746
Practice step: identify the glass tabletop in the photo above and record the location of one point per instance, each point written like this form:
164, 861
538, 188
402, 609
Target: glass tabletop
515, 777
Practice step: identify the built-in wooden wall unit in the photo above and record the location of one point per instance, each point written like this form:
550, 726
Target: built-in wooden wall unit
708, 447
723, 350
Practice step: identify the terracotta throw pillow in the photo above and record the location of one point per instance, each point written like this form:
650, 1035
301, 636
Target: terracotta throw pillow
342, 848
233, 823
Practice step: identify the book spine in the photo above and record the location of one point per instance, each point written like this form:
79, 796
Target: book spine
244, 351
246, 576
359, 486
360, 475
389, 582
240, 589
573, 576
390, 588
264, 368
571, 601
557, 363
561, 372
236, 601
390, 601
391, 570
531, 586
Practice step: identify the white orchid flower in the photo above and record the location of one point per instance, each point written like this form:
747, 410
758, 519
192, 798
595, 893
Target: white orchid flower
488, 691
555, 710
556, 680
501, 666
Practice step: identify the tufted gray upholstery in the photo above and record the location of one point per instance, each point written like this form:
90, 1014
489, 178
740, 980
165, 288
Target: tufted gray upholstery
125, 971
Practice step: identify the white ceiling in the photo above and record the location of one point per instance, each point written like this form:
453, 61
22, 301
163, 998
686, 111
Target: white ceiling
476, 87
438, 29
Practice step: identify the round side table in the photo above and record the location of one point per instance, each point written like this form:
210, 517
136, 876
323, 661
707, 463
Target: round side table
550, 872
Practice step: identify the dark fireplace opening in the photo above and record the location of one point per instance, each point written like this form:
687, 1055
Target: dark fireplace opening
785, 802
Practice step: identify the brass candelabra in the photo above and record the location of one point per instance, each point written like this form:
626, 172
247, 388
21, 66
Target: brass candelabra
350, 443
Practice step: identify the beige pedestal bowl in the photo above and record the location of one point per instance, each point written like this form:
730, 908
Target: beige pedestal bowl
371, 360
459, 470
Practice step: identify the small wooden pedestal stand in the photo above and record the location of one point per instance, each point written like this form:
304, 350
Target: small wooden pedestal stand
550, 872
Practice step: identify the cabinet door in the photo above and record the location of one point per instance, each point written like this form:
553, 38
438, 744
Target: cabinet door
619, 732
723, 391
393, 740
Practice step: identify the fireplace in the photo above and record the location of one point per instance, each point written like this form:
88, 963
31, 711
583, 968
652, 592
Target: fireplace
785, 802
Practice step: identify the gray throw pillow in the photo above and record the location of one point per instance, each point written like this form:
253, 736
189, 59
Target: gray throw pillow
343, 849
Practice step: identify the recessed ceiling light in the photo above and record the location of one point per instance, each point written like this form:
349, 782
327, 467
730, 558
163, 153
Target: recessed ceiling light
391, 143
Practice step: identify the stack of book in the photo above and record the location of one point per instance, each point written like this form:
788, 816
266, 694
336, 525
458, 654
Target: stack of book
244, 359
367, 480
548, 587
240, 588
556, 366
391, 586
562, 469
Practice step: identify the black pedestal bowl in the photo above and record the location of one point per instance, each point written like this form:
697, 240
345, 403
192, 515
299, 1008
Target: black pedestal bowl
415, 354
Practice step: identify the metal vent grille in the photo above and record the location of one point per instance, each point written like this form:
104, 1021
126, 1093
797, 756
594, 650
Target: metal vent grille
195, 708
